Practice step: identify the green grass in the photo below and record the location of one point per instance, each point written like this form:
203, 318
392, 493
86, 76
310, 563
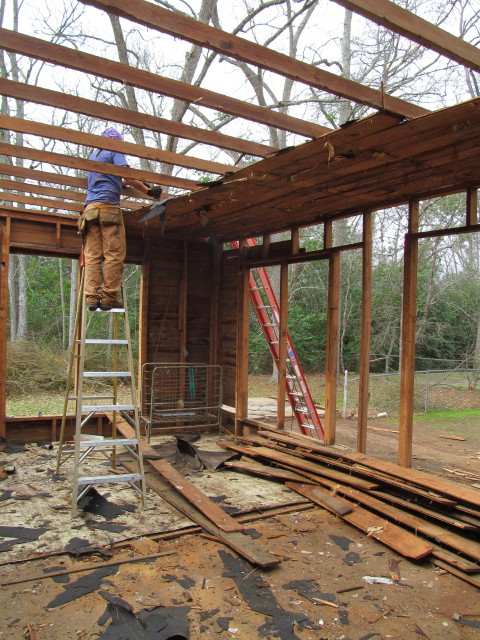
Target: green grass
447, 414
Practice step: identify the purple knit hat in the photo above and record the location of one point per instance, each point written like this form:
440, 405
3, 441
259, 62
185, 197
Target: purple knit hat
112, 133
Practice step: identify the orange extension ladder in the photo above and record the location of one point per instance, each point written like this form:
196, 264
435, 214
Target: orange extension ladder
267, 310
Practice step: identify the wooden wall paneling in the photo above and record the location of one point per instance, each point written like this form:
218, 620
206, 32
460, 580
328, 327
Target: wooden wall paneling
143, 311
182, 306
407, 353
4, 255
243, 322
229, 300
282, 345
199, 290
331, 358
472, 206
365, 332
214, 356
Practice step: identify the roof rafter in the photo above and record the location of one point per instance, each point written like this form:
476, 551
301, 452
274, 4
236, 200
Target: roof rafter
87, 107
397, 19
92, 165
32, 127
178, 25
126, 75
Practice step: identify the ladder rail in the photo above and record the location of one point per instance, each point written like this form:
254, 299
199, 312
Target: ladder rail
270, 331
85, 444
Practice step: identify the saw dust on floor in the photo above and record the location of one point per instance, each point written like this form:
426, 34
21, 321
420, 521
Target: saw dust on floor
331, 582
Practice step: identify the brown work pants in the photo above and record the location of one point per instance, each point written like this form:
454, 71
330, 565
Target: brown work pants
104, 242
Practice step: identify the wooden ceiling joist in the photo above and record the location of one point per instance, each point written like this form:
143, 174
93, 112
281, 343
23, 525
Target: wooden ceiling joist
399, 20
99, 142
227, 44
40, 202
25, 187
59, 100
73, 162
42, 176
126, 75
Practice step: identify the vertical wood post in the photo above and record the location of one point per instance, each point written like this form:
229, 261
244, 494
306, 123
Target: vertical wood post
241, 383
365, 332
182, 305
215, 309
407, 372
4, 255
472, 206
282, 345
331, 360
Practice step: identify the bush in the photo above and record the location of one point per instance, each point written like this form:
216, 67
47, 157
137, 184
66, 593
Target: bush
34, 366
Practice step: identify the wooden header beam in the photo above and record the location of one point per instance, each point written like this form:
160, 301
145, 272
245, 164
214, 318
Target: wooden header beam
399, 20
92, 165
101, 142
111, 113
179, 25
126, 75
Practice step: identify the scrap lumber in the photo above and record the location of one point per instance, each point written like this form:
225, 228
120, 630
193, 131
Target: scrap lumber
237, 541
299, 463
332, 503
211, 510
464, 576
338, 461
87, 567
460, 563
264, 470
404, 542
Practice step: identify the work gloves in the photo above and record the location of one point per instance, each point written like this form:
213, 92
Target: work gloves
155, 192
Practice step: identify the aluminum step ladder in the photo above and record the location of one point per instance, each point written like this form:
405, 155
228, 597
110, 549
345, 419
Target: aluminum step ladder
89, 405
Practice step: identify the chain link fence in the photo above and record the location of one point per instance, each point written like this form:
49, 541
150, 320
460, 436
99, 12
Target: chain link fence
434, 390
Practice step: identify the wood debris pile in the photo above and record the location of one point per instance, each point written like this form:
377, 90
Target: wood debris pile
415, 514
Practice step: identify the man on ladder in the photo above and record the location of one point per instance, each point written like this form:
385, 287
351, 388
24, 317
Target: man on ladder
101, 224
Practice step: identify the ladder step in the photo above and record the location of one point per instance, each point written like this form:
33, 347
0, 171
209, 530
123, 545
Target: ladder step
295, 393
102, 341
108, 407
263, 306
307, 426
122, 477
111, 442
273, 341
269, 324
107, 374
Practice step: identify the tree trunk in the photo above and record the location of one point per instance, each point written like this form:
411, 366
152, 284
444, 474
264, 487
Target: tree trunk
22, 324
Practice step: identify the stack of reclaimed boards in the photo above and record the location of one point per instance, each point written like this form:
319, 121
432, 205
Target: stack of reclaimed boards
416, 514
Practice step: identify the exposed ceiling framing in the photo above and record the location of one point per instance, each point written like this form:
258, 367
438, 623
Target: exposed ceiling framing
308, 184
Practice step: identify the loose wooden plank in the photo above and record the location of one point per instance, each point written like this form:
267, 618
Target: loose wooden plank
264, 470
211, 510
462, 564
470, 579
331, 502
405, 543
298, 463
237, 541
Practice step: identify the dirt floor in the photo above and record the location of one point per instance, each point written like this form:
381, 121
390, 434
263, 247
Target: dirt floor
332, 582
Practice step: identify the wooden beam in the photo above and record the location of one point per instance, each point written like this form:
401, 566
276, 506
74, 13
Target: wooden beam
472, 207
4, 258
455, 231
130, 118
143, 312
42, 176
282, 345
179, 25
126, 75
331, 356
399, 20
92, 165
243, 318
364, 370
40, 202
57, 178
25, 187
407, 354
101, 142
67, 194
